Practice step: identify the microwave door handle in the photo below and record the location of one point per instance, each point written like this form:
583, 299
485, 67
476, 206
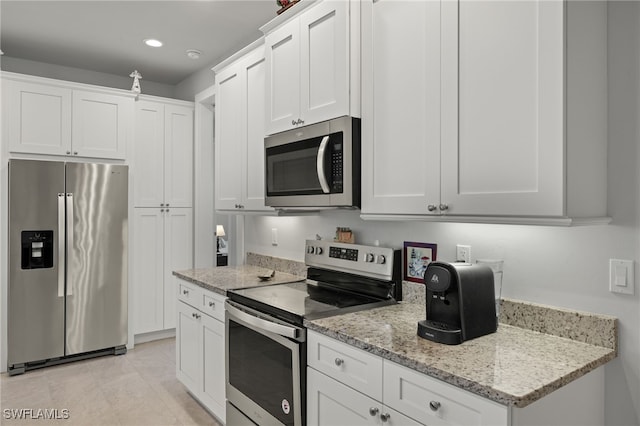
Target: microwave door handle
320, 164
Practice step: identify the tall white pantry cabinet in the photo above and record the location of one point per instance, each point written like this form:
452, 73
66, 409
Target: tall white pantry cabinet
163, 213
482, 109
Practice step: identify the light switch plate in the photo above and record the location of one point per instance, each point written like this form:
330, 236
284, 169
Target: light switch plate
621, 277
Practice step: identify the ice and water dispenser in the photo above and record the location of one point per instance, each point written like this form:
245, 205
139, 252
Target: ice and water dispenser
37, 249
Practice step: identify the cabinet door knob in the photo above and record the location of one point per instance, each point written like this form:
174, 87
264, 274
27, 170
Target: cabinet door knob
432, 207
211, 304
385, 417
161, 204
444, 207
167, 204
196, 316
434, 405
75, 152
161, 210
339, 361
185, 292
373, 411
68, 152
293, 122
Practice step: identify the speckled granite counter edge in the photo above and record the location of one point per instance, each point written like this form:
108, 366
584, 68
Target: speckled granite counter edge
462, 382
193, 280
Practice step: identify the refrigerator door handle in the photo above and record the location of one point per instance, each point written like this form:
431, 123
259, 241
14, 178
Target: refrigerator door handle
61, 250
69, 235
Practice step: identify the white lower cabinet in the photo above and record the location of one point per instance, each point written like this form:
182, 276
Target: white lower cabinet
163, 243
434, 402
200, 339
349, 386
333, 403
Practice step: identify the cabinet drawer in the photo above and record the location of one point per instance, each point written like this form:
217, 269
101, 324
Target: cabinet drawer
347, 364
190, 294
433, 402
213, 305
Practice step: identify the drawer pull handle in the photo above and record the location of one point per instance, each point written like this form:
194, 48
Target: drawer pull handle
373, 411
434, 405
185, 292
339, 361
385, 417
211, 304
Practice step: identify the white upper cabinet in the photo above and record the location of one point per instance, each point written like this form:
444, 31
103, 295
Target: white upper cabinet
502, 107
485, 111
239, 156
312, 66
163, 153
400, 106
228, 146
53, 117
99, 124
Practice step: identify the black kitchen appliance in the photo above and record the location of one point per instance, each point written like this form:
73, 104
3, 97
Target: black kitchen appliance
460, 302
314, 166
265, 333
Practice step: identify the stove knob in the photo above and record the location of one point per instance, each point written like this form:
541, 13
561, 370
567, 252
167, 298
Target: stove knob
310, 249
368, 257
381, 259
318, 250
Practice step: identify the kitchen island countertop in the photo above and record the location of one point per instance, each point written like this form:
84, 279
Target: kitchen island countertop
222, 279
514, 366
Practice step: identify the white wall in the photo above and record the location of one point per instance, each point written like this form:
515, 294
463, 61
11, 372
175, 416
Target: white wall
78, 75
565, 267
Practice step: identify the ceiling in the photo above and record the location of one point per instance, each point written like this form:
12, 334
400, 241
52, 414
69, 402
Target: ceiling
107, 36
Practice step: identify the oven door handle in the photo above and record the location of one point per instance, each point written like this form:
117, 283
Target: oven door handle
262, 324
322, 176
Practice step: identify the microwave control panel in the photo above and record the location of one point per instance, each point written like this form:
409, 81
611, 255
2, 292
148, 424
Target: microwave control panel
336, 167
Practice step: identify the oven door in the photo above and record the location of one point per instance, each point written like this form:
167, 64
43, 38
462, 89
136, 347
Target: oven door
265, 378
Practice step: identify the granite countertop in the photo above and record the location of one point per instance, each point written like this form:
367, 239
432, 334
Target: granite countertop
514, 366
222, 279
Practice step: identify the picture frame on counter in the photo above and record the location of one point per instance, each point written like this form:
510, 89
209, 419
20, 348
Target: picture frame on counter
416, 257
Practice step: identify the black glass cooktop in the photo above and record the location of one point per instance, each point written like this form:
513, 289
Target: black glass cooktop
294, 302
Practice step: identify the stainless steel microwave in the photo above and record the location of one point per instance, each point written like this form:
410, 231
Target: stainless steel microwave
314, 166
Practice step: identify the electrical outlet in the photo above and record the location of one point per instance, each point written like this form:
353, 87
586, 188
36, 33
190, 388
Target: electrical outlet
463, 253
274, 236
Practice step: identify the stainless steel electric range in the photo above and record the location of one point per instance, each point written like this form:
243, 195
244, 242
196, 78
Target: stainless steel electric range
265, 333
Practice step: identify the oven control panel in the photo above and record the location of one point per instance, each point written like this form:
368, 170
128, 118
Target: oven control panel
343, 253
354, 258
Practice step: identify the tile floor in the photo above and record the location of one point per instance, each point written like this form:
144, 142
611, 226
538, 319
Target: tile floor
139, 388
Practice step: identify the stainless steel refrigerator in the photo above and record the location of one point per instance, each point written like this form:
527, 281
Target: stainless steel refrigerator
68, 226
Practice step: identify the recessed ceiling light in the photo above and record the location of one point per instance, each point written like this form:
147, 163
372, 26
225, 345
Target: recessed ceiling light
194, 54
152, 42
